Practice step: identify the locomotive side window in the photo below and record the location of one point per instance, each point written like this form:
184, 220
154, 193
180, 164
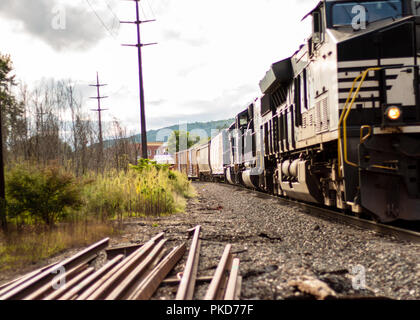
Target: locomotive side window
243, 121
317, 30
305, 89
281, 132
317, 27
298, 103
266, 137
363, 12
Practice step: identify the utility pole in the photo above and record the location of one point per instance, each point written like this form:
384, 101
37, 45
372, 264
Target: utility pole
99, 110
3, 218
139, 45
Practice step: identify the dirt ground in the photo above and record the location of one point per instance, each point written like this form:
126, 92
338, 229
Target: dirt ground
277, 244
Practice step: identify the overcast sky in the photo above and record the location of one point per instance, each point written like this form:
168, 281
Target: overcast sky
210, 57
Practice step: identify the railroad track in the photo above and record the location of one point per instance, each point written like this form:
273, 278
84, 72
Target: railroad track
400, 233
131, 273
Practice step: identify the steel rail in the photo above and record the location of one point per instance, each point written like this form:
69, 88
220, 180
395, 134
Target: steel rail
238, 288
102, 288
45, 277
121, 290
232, 286
401, 234
18, 281
75, 291
312, 209
187, 284
47, 288
147, 271
148, 286
218, 284
175, 280
111, 253
69, 285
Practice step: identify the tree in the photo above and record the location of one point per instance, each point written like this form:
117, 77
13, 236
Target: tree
7, 106
45, 194
180, 141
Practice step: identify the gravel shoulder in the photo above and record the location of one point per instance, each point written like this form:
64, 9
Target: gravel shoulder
278, 243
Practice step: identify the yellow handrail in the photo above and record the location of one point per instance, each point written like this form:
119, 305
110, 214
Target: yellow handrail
363, 138
341, 120
345, 115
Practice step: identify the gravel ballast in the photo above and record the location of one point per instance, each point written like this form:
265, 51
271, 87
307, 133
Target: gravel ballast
278, 244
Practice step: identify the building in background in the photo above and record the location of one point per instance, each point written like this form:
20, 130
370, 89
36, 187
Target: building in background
152, 148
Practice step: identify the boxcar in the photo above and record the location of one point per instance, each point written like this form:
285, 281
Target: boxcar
203, 158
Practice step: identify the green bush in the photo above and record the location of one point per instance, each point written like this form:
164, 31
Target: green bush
42, 194
173, 183
146, 164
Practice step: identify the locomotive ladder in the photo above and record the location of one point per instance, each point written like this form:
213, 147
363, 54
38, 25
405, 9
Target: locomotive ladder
343, 120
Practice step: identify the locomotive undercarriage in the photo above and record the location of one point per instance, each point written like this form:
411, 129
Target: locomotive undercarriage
385, 186
308, 175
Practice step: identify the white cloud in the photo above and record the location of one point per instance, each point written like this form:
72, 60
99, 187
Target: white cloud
207, 65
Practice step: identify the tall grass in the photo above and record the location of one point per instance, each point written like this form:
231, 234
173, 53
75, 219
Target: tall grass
149, 190
20, 249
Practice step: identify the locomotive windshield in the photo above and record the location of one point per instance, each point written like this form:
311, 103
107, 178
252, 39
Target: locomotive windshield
350, 13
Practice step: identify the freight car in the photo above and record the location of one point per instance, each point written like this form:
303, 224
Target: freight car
338, 122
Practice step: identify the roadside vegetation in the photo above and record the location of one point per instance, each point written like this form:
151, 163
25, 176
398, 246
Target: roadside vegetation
49, 209
62, 191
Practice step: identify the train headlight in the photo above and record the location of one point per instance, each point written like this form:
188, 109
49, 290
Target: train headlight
393, 113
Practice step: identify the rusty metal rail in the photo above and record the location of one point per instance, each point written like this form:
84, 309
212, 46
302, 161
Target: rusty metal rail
36, 282
132, 273
233, 289
47, 288
149, 285
124, 287
70, 285
187, 284
126, 251
226, 285
74, 292
102, 288
16, 282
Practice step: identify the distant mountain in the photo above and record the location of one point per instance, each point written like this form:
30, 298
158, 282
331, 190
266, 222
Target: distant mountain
152, 135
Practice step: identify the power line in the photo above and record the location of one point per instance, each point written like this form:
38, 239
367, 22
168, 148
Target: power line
112, 11
151, 9
142, 10
99, 18
114, 14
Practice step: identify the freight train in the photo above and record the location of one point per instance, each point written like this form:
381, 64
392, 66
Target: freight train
338, 122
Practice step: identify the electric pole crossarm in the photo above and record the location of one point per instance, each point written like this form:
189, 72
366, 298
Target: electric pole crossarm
138, 22
141, 45
148, 44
